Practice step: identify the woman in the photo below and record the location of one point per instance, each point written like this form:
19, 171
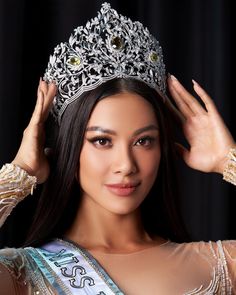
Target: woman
112, 163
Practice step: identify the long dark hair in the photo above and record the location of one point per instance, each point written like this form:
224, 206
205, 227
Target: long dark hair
60, 196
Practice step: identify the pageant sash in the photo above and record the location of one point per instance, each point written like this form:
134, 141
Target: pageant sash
72, 270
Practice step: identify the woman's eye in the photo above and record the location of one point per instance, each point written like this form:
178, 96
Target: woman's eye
101, 142
145, 141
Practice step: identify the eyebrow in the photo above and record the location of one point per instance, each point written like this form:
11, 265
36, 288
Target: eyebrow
111, 132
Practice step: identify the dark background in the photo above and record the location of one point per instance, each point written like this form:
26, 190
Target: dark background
196, 37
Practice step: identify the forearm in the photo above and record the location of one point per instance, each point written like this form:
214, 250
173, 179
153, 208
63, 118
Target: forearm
15, 185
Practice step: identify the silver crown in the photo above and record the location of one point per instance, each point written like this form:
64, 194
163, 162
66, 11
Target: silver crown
109, 46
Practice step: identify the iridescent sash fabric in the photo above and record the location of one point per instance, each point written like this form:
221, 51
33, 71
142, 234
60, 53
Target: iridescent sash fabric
70, 269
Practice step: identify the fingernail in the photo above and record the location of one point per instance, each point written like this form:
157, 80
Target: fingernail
195, 83
173, 78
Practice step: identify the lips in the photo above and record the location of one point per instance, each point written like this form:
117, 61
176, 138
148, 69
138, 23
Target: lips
122, 189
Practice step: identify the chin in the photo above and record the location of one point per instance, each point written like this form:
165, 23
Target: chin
122, 210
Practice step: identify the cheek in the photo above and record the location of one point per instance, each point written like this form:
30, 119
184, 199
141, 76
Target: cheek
149, 163
92, 163
148, 167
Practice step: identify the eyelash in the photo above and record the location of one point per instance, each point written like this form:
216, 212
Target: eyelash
95, 141
146, 138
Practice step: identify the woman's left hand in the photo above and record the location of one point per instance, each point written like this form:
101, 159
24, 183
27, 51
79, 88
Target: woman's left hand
204, 129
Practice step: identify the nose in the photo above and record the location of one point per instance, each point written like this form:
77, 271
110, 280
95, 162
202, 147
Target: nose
124, 161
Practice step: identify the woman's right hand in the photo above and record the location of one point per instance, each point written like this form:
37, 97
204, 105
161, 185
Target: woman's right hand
31, 155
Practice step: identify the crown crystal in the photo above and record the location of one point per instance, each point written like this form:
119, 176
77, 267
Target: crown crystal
109, 46
74, 61
117, 43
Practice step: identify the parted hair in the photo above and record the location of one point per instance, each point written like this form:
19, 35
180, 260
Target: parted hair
61, 193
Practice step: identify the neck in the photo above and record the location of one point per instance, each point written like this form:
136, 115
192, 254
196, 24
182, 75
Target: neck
95, 228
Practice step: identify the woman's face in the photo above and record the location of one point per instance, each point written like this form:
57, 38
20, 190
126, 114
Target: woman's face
120, 156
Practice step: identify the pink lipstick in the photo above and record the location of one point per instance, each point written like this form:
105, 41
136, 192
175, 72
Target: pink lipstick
122, 189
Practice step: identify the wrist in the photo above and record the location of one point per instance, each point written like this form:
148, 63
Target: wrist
23, 166
221, 165
15, 181
222, 161
229, 171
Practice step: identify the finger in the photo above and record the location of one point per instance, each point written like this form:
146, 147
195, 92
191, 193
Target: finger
37, 114
181, 104
52, 89
40, 80
210, 106
178, 116
44, 87
184, 95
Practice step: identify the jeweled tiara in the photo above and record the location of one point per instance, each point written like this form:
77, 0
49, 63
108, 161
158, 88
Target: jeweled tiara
109, 46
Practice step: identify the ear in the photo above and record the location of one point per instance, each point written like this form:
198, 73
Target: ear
48, 152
